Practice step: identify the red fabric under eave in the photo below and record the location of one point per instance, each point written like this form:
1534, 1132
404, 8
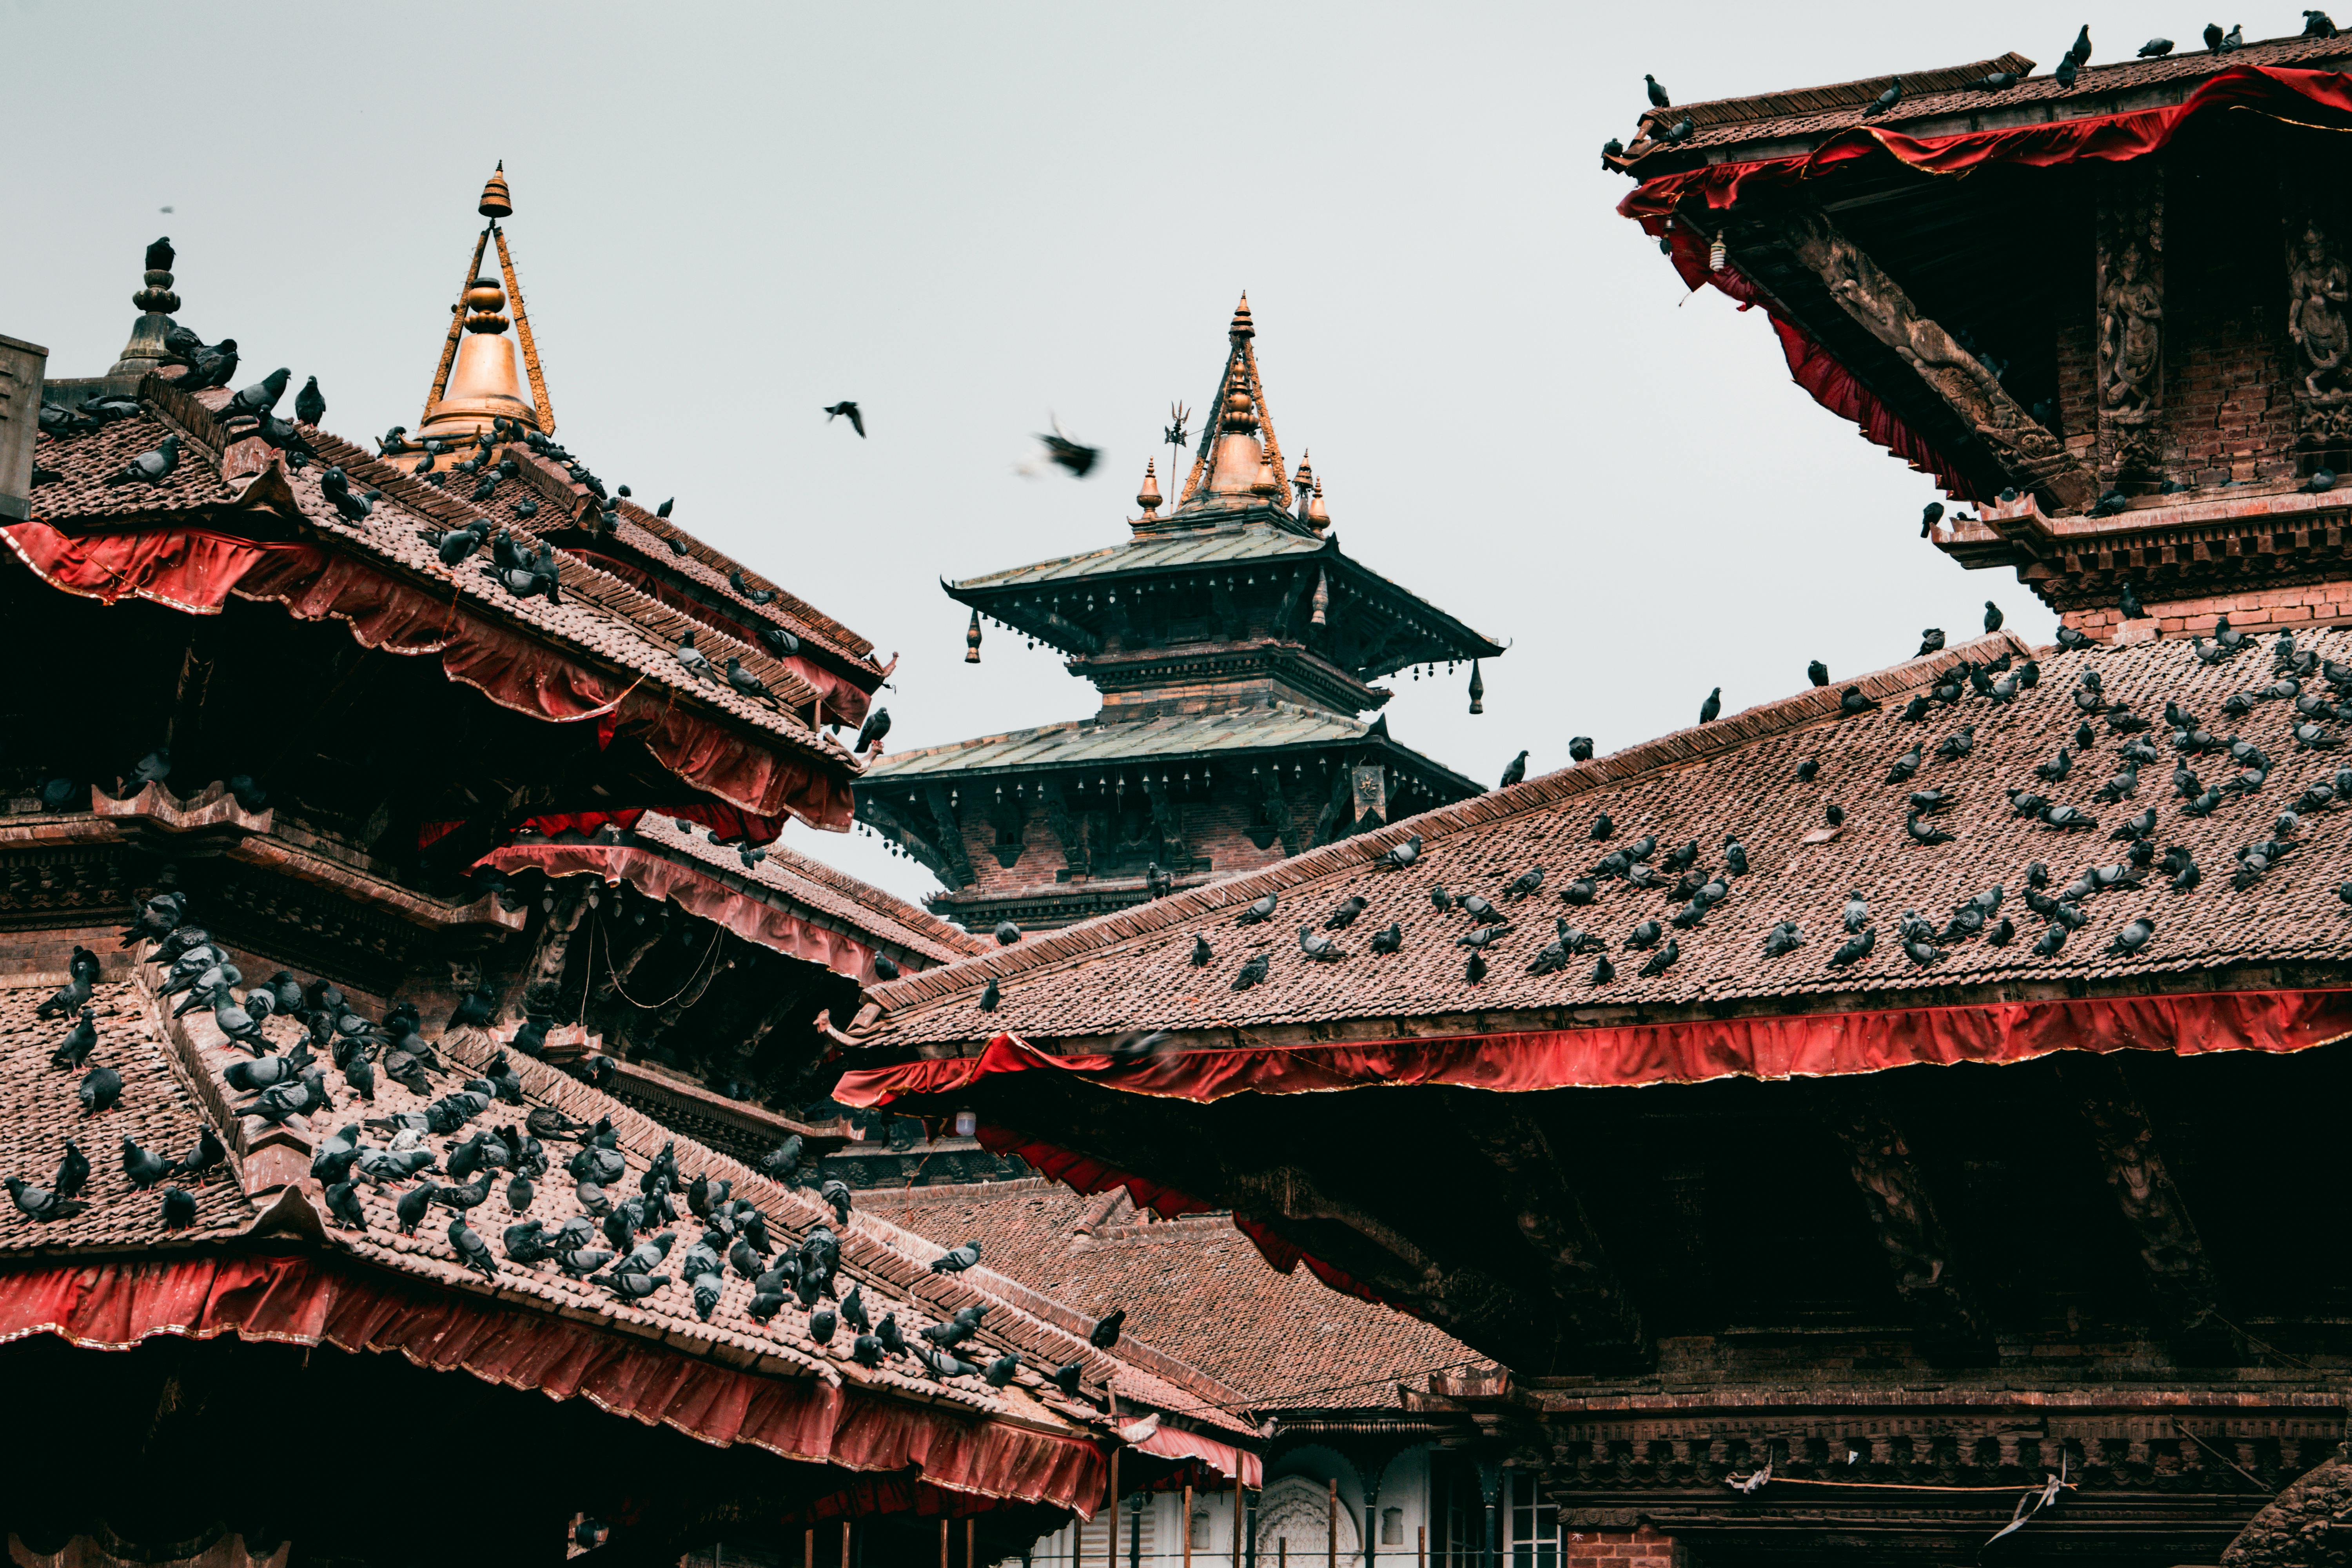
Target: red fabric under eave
1803, 1046
2306, 96
307, 1300
195, 570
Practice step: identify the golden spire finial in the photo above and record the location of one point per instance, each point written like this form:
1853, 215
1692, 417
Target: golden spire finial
1302, 483
1147, 498
1241, 327
496, 203
1318, 517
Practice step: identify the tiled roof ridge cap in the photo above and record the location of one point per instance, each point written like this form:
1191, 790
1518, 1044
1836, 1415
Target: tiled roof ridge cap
1772, 105
1090, 938
913, 916
1067, 1319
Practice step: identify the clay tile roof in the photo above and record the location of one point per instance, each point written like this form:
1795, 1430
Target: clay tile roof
1196, 1287
1938, 102
157, 1110
1130, 970
820, 888
599, 615
175, 1075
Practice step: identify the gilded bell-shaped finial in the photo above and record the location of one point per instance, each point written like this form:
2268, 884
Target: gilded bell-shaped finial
972, 640
1477, 689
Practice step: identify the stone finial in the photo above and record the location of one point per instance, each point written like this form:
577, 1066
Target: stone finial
1147, 498
497, 202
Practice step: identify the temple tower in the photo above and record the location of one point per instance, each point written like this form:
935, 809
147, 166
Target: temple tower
1236, 647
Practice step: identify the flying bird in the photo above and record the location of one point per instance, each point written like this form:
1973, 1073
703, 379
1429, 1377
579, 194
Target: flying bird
1068, 452
845, 409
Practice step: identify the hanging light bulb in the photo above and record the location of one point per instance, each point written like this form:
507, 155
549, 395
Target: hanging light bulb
1716, 257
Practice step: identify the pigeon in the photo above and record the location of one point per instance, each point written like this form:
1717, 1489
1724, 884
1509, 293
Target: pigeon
2066, 819
1850, 701
1259, 911
1818, 673
1602, 827
41, 1203
1993, 617
1930, 641
1202, 951
1925, 833
1515, 771
845, 409
1645, 936
1399, 855
79, 1041
101, 1088
1854, 949
749, 684
1663, 959
990, 995
149, 467
2128, 942
143, 1167
1658, 99
1920, 952
1388, 939
2079, 51
1783, 938
1580, 748
179, 1208
1603, 972
258, 399
1903, 766
2052, 939
1834, 815
1105, 1333
1929, 515
1318, 947
1066, 451
1808, 770
1345, 915
956, 1259
1708, 710
835, 1196
2156, 48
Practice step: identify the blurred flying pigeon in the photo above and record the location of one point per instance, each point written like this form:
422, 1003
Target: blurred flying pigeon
845, 409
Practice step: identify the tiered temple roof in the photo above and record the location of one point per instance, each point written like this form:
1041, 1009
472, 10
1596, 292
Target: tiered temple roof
1234, 644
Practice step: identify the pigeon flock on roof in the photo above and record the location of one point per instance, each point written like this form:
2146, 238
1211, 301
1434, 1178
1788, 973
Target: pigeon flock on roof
643, 1228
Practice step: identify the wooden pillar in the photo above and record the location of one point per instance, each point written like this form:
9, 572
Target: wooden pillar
1110, 1516
943, 1541
970, 1543
1188, 1524
1420, 1545
1331, 1524
808, 1548
1237, 1513
845, 1543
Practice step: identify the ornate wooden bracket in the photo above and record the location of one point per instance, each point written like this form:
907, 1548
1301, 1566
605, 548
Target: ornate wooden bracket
1895, 1191
2171, 1251
950, 833
2019, 446
1277, 809
1068, 831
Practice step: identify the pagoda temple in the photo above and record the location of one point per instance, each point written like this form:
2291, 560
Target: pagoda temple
1989, 1014
396, 962
1236, 647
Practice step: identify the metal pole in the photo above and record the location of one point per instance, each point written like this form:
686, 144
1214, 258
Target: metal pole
1371, 1523
1110, 1516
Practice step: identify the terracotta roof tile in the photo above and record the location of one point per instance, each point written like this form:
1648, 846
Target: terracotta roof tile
44, 1110
1194, 1287
1131, 970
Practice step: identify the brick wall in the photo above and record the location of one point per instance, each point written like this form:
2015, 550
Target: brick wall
2227, 357
1215, 828
2270, 611
1640, 1548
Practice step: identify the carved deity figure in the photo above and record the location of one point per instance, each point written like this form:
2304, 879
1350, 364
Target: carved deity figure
2320, 286
2131, 329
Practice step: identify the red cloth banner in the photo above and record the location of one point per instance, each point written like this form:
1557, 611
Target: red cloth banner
194, 570
307, 1300
697, 892
1806, 1046
724, 820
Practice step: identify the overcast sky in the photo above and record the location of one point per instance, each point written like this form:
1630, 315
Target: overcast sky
968, 217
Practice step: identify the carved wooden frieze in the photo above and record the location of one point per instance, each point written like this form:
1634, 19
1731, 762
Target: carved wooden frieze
2130, 266
2038, 459
2319, 294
